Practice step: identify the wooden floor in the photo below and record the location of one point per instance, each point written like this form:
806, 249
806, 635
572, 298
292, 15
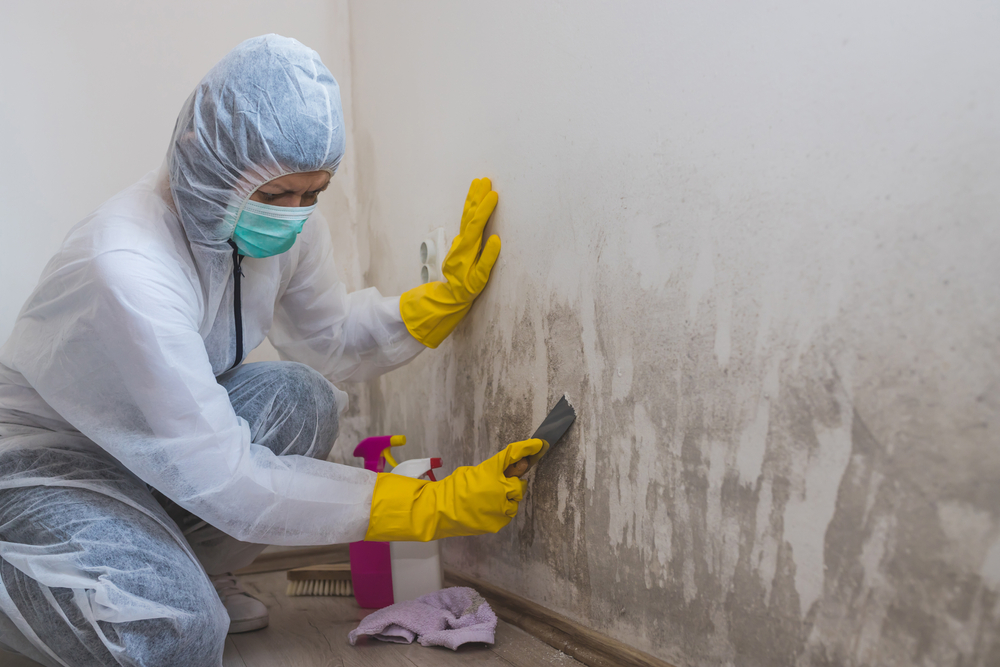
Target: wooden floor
312, 632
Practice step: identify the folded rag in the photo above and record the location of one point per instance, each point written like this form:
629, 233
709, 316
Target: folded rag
449, 617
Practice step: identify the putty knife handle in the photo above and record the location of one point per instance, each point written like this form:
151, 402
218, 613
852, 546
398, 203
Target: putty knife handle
521, 467
517, 468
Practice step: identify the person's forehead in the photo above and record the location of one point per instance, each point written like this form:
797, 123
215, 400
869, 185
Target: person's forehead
310, 180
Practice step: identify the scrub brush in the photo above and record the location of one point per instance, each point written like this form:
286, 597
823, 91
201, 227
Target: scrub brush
332, 579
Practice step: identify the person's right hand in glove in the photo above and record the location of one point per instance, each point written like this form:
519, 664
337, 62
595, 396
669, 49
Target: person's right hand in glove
470, 501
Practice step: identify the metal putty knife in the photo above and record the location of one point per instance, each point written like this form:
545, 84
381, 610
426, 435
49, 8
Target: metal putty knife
553, 427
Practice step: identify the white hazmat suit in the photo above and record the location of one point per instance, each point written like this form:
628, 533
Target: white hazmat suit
118, 350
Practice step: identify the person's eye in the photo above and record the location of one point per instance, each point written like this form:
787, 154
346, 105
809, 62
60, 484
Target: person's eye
266, 196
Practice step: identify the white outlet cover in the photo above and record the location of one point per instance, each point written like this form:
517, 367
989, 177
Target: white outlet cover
435, 255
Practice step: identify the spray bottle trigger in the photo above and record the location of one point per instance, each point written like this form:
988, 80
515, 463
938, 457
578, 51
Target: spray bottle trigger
394, 441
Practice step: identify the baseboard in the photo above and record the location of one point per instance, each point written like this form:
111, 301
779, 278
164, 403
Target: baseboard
286, 560
588, 646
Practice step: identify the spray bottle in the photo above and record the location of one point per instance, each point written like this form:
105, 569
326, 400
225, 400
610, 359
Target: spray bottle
371, 563
416, 566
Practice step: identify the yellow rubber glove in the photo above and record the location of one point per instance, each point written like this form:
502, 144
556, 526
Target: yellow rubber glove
434, 309
470, 501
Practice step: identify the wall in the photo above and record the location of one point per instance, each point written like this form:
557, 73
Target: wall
91, 92
756, 245
89, 98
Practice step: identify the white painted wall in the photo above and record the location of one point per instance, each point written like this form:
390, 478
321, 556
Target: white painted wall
757, 245
89, 93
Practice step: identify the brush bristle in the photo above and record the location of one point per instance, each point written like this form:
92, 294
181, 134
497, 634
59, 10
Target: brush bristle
320, 587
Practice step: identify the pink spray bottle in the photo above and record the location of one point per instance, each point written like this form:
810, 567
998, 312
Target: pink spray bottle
371, 562
383, 572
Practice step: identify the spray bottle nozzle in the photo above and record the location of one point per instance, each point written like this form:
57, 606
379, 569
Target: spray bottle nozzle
375, 451
417, 468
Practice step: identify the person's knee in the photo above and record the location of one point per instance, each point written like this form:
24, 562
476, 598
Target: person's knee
317, 399
291, 408
317, 387
204, 633
189, 623
195, 636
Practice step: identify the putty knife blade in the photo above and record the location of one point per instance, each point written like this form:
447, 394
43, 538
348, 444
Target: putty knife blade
553, 428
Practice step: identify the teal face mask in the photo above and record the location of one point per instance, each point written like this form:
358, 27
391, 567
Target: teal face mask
263, 230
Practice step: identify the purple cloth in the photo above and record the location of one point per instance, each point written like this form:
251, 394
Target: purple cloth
449, 617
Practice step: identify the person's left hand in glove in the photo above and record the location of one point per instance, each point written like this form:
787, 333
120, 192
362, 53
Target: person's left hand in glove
434, 309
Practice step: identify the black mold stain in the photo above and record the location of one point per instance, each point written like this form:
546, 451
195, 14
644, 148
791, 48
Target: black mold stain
752, 617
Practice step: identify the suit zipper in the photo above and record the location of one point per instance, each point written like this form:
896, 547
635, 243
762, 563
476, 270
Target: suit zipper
237, 303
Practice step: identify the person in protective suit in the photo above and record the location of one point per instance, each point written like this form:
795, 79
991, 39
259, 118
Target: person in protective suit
141, 461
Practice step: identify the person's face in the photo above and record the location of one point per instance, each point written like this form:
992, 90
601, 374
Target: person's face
299, 189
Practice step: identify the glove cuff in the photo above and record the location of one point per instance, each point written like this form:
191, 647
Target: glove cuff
392, 517
431, 312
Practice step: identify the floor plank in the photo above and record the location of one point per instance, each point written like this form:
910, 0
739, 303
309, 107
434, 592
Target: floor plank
274, 559
520, 649
231, 655
439, 656
312, 632
14, 660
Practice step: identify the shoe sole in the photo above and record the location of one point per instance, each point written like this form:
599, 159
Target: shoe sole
248, 625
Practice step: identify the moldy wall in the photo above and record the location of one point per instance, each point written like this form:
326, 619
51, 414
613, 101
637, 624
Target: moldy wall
756, 245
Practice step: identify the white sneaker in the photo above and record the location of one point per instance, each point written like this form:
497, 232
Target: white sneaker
246, 613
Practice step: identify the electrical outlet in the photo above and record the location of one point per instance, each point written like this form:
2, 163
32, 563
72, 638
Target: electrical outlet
432, 254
